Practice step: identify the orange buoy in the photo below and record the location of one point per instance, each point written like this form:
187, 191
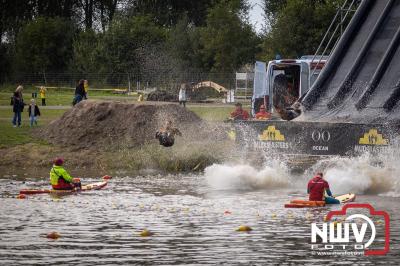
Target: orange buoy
227, 212
53, 235
107, 177
244, 228
146, 233
21, 196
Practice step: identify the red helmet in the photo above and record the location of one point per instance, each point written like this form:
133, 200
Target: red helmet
58, 161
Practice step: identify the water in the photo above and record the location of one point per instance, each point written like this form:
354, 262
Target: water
193, 219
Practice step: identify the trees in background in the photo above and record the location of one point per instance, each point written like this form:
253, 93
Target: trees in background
143, 37
128, 36
228, 39
44, 44
296, 26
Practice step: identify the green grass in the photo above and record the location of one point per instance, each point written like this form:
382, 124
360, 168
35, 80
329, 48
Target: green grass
10, 136
212, 113
60, 96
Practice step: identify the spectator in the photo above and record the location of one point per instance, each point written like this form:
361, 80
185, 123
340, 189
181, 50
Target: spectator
42, 92
79, 92
239, 113
86, 86
18, 106
33, 112
262, 114
182, 95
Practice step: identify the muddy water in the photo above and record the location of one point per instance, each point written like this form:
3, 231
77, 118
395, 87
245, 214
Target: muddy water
193, 221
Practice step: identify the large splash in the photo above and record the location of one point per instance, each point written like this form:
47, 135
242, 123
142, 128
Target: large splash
361, 175
245, 177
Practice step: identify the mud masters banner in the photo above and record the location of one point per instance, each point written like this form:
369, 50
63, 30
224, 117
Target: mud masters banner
313, 138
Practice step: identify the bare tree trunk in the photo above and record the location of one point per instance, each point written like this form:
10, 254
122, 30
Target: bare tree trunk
44, 76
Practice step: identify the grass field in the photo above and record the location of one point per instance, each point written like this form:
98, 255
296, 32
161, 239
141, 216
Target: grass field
10, 136
59, 101
63, 97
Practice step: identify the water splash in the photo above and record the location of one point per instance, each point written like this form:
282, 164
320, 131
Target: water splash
245, 177
367, 174
362, 175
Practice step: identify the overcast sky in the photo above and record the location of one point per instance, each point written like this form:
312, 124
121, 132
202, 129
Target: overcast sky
256, 14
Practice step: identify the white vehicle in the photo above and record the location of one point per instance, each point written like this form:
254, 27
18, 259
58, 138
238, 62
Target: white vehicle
282, 82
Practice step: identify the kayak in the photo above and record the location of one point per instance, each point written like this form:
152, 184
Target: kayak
297, 203
346, 198
88, 187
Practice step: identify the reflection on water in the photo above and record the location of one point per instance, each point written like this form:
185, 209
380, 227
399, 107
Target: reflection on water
187, 215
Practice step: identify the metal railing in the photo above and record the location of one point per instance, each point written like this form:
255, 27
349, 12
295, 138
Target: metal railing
341, 20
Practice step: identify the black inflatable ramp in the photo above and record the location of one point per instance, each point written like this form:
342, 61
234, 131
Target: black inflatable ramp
361, 81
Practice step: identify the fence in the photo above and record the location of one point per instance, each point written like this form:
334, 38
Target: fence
128, 81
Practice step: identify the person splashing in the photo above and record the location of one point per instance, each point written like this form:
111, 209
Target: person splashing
166, 135
317, 187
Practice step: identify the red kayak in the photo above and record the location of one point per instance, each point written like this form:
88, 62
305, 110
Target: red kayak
297, 203
92, 186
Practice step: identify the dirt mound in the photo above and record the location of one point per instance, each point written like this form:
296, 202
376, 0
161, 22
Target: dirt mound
163, 96
103, 125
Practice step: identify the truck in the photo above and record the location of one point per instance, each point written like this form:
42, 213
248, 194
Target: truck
280, 83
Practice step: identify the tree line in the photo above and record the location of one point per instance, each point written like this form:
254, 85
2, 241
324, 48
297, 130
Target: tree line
144, 37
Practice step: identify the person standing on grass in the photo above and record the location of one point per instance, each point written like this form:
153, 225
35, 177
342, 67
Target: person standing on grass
18, 106
33, 112
86, 87
42, 92
182, 95
79, 92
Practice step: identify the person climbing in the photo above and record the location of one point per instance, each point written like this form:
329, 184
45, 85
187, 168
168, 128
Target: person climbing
239, 113
166, 135
33, 112
262, 114
79, 92
316, 189
60, 179
42, 92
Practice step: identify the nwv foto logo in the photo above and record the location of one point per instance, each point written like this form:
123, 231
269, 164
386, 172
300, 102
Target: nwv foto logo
336, 236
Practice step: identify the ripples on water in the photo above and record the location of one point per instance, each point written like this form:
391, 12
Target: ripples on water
186, 214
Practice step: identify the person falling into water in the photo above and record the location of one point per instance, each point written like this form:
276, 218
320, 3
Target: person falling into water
316, 189
166, 135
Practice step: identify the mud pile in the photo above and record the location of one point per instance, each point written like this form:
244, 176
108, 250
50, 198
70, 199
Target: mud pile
104, 125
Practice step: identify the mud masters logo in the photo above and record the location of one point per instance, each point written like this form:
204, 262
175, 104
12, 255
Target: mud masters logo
357, 229
372, 141
271, 137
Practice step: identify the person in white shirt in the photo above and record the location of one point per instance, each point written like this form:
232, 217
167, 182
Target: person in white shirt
182, 95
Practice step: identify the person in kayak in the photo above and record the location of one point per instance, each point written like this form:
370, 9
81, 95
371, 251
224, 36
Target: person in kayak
166, 135
60, 179
316, 189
